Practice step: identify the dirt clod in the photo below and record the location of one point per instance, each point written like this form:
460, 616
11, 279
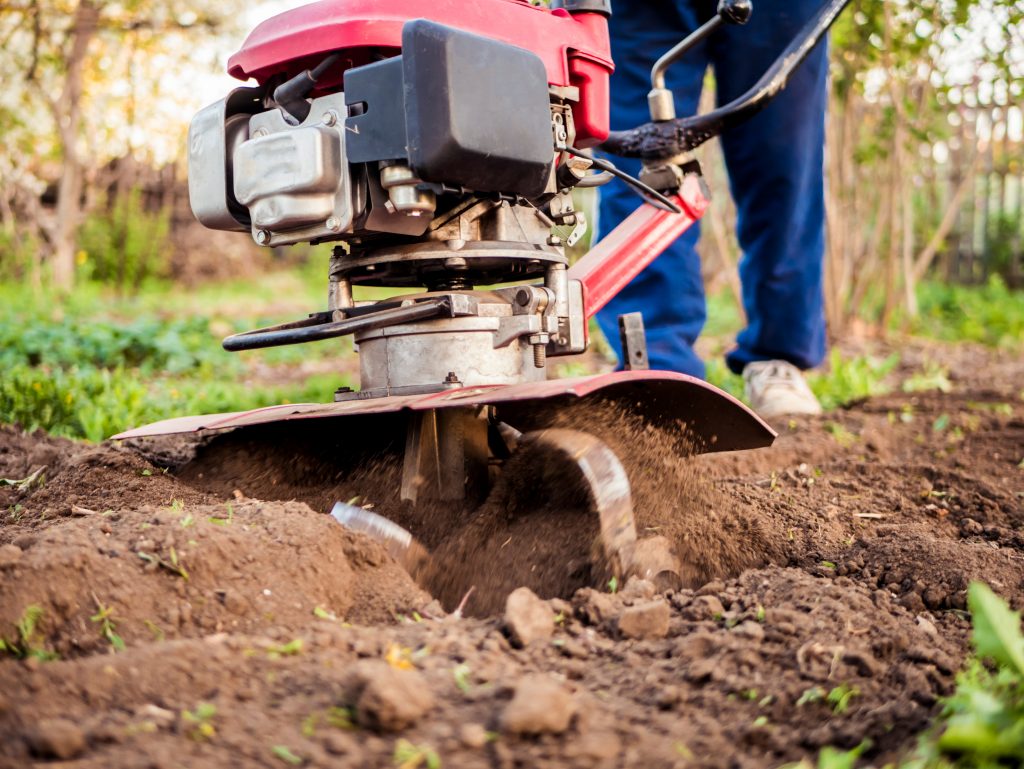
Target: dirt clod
390, 699
539, 705
645, 620
473, 735
527, 618
9, 555
57, 738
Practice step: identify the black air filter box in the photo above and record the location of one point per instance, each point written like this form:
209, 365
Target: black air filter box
476, 111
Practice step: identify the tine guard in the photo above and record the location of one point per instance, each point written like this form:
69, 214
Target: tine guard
716, 420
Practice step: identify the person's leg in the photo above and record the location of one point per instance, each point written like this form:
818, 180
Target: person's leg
670, 292
775, 163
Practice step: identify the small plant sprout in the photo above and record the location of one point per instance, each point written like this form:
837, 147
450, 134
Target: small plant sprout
105, 617
216, 520
613, 585
814, 694
29, 643
341, 718
199, 722
461, 674
410, 756
286, 755
839, 698
321, 613
177, 505
289, 649
174, 566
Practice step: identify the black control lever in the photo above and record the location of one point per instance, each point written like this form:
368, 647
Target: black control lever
661, 140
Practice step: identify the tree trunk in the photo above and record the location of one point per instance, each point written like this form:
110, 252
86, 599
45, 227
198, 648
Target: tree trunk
67, 113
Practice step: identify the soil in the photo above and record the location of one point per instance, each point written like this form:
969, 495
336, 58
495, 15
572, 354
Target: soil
205, 612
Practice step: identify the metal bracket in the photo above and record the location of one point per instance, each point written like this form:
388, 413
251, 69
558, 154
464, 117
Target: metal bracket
634, 343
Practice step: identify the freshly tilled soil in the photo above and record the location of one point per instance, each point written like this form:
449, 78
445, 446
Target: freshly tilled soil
823, 602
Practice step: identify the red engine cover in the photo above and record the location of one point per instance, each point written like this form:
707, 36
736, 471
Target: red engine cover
573, 47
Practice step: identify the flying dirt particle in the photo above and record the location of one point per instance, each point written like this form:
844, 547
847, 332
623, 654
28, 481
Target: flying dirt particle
390, 699
539, 705
57, 738
527, 618
645, 620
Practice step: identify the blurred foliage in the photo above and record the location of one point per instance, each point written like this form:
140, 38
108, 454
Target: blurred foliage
991, 314
95, 364
123, 244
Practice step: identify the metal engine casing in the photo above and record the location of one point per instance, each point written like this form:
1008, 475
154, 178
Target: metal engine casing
286, 183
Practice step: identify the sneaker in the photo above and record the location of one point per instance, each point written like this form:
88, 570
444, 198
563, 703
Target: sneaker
777, 388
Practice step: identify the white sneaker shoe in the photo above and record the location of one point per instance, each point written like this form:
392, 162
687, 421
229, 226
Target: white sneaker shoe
777, 388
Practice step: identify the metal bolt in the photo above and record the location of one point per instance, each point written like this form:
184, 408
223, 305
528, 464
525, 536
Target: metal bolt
523, 296
263, 237
540, 355
554, 240
330, 118
333, 224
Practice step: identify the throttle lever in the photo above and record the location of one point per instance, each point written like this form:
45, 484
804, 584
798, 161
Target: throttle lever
660, 100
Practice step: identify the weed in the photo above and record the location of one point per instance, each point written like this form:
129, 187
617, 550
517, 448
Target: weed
322, 613
814, 694
613, 585
839, 698
461, 674
341, 718
851, 379
158, 634
932, 377
289, 649
28, 643
173, 566
218, 521
200, 721
410, 756
105, 617
840, 434
286, 755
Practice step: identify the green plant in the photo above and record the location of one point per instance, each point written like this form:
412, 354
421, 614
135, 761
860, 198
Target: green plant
28, 642
104, 616
286, 755
410, 756
199, 722
851, 379
840, 696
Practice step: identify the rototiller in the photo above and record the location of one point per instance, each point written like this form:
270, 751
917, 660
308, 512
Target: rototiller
439, 144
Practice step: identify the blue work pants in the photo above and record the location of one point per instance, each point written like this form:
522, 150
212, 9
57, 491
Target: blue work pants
775, 165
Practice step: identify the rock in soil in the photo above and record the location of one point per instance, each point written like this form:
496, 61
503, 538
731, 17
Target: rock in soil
539, 705
645, 620
390, 699
57, 738
527, 618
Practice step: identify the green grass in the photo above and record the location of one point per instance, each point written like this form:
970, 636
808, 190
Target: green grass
991, 314
96, 364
